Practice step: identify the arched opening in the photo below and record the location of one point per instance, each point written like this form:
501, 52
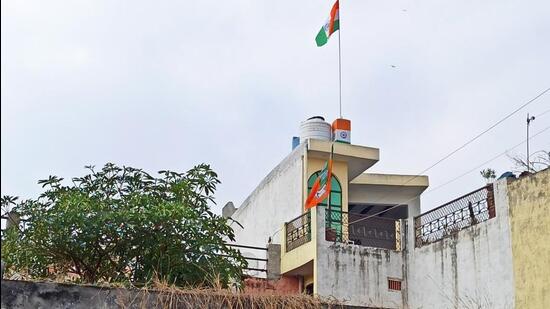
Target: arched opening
333, 220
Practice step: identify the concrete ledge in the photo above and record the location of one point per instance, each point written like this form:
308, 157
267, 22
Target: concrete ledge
391, 180
358, 158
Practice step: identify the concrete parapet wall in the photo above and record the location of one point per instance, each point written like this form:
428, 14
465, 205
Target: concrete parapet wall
529, 199
24, 294
355, 274
470, 269
27, 295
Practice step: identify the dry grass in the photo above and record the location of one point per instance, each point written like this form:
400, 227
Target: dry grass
162, 295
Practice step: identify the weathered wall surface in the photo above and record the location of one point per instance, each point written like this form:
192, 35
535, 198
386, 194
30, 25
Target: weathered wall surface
359, 275
22, 294
281, 286
529, 199
470, 269
31, 295
277, 199
355, 274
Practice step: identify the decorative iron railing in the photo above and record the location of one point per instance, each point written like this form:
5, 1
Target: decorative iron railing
298, 231
460, 213
363, 230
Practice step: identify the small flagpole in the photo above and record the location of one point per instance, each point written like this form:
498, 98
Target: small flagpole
340, 58
330, 190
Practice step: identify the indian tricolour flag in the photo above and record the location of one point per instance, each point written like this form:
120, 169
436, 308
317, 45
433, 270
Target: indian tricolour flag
332, 24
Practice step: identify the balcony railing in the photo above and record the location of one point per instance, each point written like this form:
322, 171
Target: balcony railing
363, 230
465, 211
298, 231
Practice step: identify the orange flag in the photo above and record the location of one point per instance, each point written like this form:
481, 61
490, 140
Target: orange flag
321, 188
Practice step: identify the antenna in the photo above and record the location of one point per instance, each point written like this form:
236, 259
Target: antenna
529, 120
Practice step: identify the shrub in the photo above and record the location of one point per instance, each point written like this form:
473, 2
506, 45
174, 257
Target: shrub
120, 224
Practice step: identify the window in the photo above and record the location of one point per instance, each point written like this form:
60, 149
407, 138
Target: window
394, 284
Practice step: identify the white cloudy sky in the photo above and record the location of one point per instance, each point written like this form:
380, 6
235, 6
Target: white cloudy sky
170, 84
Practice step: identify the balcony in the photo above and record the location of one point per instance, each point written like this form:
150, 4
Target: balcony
362, 230
344, 227
298, 231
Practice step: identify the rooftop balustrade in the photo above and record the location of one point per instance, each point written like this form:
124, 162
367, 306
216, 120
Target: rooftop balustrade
460, 213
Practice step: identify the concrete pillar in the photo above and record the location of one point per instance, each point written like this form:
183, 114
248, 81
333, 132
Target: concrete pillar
273, 261
228, 210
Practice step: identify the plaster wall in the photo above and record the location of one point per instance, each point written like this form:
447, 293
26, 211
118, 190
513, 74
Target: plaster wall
529, 199
277, 199
470, 269
388, 195
355, 274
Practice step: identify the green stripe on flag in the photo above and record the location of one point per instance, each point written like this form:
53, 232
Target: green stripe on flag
321, 38
336, 26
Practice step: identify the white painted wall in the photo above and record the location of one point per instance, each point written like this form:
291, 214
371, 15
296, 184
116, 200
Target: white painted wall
277, 199
355, 274
471, 269
359, 275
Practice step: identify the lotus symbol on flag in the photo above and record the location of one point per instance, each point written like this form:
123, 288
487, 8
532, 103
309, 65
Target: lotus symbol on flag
321, 191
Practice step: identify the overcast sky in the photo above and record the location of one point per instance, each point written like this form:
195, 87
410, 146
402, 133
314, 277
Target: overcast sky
171, 84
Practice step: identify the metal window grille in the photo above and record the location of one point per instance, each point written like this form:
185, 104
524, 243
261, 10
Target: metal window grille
394, 284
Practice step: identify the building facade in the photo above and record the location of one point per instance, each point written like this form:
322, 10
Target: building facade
370, 245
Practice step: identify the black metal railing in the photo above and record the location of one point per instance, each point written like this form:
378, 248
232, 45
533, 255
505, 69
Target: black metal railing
362, 230
249, 254
460, 213
298, 231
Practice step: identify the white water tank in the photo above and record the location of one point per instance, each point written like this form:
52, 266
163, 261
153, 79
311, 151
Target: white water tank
315, 128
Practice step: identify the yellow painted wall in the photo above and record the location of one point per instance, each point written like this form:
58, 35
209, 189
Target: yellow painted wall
339, 169
307, 252
308, 280
301, 255
529, 201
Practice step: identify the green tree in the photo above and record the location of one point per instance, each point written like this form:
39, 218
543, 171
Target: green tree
120, 224
489, 174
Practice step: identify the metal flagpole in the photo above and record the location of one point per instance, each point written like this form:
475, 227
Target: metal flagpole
329, 185
340, 58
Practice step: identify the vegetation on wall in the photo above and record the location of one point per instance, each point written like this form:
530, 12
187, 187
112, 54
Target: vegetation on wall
120, 224
488, 174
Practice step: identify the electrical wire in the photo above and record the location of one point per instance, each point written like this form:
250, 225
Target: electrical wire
471, 140
477, 136
486, 162
545, 112
448, 182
